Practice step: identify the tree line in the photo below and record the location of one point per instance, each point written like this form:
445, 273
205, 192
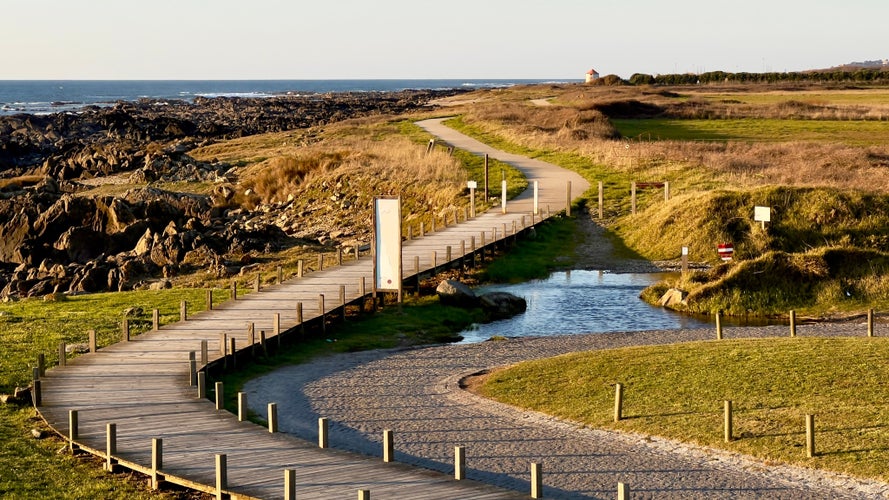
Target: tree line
837, 76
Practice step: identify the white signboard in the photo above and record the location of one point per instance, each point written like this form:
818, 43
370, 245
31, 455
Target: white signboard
387, 243
472, 184
762, 214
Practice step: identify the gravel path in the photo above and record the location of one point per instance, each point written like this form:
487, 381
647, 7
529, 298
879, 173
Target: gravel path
416, 394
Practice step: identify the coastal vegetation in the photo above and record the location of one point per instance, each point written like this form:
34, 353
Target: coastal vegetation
677, 391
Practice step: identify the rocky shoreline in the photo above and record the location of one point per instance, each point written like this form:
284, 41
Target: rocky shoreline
55, 239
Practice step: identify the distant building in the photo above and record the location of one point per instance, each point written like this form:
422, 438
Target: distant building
592, 75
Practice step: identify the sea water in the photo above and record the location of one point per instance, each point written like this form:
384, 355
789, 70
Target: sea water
52, 96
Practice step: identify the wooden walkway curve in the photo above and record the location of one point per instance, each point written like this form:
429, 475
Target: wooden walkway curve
143, 387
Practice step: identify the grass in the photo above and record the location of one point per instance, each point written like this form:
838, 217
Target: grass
677, 391
536, 257
32, 468
853, 133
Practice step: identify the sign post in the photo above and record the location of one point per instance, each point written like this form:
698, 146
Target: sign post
763, 215
387, 245
725, 251
684, 260
536, 197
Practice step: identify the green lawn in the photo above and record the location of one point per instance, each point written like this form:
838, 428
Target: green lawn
677, 391
856, 133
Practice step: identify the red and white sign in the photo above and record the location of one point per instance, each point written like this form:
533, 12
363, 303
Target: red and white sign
725, 251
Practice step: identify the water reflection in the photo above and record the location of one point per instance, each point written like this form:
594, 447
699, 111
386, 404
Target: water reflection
582, 302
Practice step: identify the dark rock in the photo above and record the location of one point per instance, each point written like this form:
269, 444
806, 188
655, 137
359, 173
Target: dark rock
502, 305
454, 293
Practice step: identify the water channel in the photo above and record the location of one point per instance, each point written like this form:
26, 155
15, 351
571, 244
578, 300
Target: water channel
570, 302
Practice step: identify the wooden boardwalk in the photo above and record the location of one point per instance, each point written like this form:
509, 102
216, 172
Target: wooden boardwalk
144, 388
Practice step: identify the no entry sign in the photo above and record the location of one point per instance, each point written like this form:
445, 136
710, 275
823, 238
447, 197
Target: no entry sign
725, 251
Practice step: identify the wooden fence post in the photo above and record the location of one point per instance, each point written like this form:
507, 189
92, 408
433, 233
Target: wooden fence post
91, 338
323, 430
363, 494
110, 447
242, 406
280, 274
633, 197
183, 311
459, 463
623, 491
257, 283
37, 394
221, 474
388, 446
157, 462
205, 357
793, 323
155, 319
289, 484
202, 385
299, 317
273, 417
209, 299
41, 364
73, 430
299, 268
321, 313
727, 418
568, 201
125, 330
601, 201
343, 302
62, 354
618, 402
718, 325
536, 480
220, 401
870, 322
320, 261
192, 369
810, 436
234, 290
276, 324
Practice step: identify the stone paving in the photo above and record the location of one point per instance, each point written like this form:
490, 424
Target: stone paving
416, 394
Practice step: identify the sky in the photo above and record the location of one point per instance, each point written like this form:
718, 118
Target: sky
401, 39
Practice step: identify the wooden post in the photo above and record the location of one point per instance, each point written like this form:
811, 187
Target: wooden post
192, 369
37, 394
155, 319
205, 358
273, 417
410, 233
110, 447
810, 436
209, 298
41, 364
320, 261
568, 201
388, 446
339, 256
633, 197
623, 491
434, 262
666, 190
618, 402
223, 344
202, 385
125, 330
417, 272
321, 313
299, 268
242, 406
289, 484
299, 318
63, 356
280, 274
459, 463
486, 177
432, 224
536, 480
257, 282
234, 290
363, 494
870, 322
343, 302
793, 323
73, 430
157, 462
221, 474
276, 324
91, 336
263, 345
220, 402
448, 254
422, 229
601, 201
727, 418
183, 311
35, 374
718, 325
233, 351
323, 429
684, 260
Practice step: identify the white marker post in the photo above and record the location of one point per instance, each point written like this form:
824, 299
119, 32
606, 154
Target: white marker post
472, 185
503, 196
684, 260
536, 197
387, 245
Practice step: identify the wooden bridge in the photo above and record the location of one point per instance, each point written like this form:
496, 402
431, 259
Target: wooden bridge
137, 403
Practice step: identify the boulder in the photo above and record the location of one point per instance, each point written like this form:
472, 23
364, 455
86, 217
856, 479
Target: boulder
454, 293
502, 305
673, 297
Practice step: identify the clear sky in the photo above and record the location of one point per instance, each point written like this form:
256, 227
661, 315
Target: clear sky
301, 39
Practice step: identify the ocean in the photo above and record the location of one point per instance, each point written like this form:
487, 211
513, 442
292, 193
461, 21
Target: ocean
53, 96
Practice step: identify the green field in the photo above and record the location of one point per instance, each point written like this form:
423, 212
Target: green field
853, 133
677, 391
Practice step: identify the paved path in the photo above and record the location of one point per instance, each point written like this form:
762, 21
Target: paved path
143, 388
416, 393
